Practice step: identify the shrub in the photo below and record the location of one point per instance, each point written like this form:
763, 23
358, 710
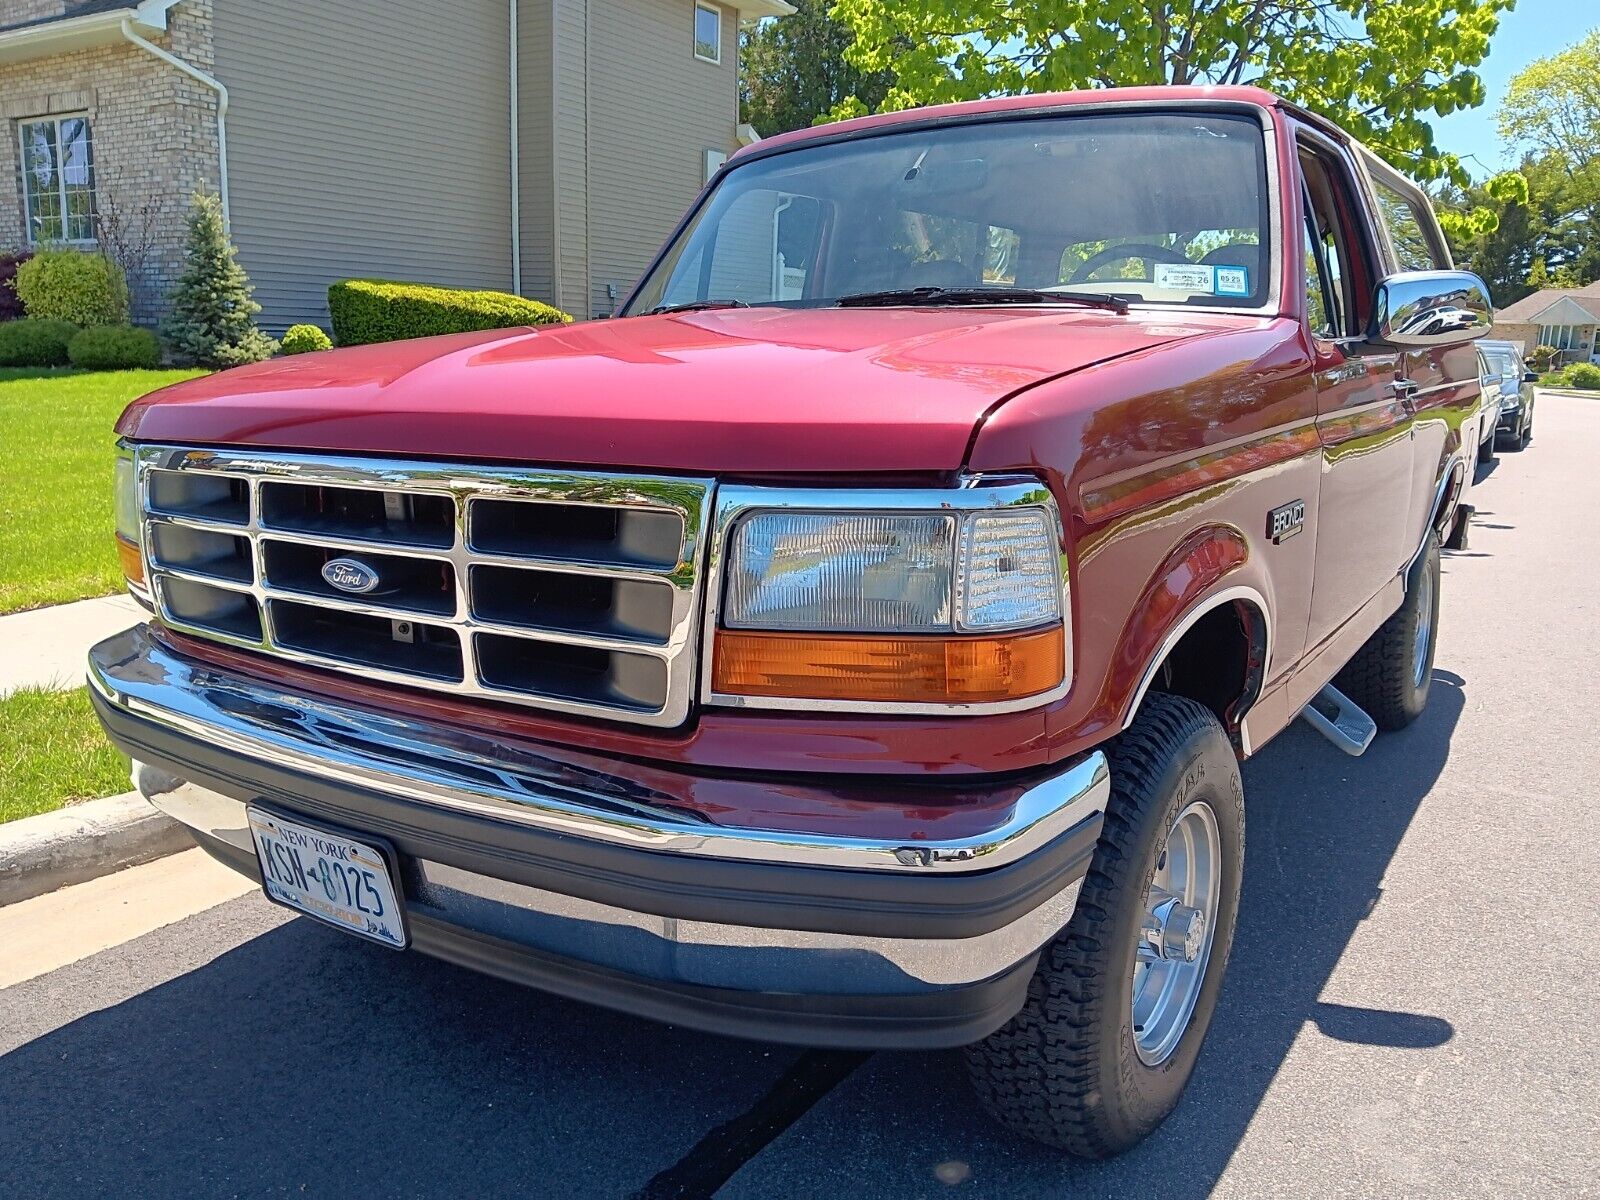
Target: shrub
115, 348
73, 285
1582, 375
1542, 357
35, 343
381, 310
302, 339
213, 317
10, 302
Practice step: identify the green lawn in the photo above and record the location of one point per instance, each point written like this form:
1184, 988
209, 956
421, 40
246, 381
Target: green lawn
55, 486
52, 752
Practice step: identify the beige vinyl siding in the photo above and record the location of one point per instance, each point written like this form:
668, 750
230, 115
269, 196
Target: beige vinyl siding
572, 23
536, 147
368, 137
654, 110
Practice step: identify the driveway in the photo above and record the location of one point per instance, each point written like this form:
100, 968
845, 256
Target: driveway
1411, 1008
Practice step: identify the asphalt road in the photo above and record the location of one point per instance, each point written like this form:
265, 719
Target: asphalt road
1411, 1008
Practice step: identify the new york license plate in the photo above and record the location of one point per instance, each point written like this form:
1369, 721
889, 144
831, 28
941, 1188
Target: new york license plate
328, 875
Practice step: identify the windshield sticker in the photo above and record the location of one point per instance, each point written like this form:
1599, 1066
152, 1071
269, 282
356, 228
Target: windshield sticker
1186, 277
1233, 281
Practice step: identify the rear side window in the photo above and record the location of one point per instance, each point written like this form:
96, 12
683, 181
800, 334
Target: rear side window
1407, 227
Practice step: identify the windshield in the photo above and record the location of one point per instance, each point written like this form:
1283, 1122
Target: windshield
1164, 208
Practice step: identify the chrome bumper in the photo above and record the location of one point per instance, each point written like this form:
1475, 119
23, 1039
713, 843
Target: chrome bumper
206, 740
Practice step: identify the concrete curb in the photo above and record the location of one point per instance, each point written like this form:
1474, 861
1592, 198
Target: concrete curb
76, 844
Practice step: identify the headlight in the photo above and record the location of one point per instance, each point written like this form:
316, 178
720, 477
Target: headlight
125, 504
1509, 400
893, 606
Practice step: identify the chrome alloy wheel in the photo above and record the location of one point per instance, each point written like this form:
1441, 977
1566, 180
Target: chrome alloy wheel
1176, 932
1419, 651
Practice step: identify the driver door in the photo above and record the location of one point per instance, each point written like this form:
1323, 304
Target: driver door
1364, 420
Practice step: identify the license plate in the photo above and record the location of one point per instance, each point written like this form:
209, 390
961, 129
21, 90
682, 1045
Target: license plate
328, 875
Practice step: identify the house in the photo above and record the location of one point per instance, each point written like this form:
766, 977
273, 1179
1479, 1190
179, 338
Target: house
1566, 318
540, 146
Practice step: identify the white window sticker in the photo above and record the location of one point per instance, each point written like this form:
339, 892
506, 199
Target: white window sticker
1186, 277
1233, 281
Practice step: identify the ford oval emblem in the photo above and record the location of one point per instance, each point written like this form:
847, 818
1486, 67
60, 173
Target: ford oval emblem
350, 575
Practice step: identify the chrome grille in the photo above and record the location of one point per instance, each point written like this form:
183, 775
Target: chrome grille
571, 591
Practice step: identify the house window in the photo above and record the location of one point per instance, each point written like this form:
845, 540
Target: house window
708, 33
58, 179
1562, 337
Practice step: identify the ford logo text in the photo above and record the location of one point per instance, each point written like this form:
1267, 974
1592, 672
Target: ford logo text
350, 575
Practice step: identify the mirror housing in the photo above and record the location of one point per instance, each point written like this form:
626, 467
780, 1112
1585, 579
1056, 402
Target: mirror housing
1423, 310
1530, 377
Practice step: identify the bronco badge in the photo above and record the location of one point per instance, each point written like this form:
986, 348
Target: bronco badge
350, 575
1283, 522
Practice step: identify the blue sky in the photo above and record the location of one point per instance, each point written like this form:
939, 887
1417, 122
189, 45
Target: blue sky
1536, 29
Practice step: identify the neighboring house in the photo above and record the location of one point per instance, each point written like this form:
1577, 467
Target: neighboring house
389, 138
1566, 318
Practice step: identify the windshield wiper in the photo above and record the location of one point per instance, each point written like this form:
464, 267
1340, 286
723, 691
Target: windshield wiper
695, 306
979, 295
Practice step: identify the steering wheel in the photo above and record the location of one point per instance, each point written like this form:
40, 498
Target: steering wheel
1145, 250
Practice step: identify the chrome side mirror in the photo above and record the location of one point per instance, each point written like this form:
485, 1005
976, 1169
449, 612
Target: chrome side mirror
1420, 310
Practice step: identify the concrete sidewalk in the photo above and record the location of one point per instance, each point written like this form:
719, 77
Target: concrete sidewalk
46, 647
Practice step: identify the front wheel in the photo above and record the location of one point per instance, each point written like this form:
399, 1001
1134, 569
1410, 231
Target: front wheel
1121, 999
1391, 674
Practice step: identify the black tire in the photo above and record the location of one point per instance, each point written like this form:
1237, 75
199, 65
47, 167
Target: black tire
1382, 677
1527, 432
1486, 449
1065, 1070
1518, 438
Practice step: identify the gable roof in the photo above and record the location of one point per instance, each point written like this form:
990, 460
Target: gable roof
1563, 306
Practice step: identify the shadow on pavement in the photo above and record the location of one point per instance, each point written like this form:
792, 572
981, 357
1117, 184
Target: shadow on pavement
305, 1063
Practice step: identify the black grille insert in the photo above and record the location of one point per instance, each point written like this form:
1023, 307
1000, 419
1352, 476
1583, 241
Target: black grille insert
411, 647
221, 610
201, 551
589, 533
200, 495
420, 585
613, 678
562, 602
360, 514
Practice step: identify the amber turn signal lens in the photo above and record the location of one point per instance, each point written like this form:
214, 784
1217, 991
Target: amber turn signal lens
928, 670
132, 562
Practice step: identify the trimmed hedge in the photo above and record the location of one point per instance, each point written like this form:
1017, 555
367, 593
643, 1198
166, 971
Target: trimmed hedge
381, 310
35, 343
72, 285
115, 348
1585, 376
10, 302
304, 339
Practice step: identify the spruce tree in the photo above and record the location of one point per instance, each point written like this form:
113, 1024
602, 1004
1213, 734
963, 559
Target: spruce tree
212, 322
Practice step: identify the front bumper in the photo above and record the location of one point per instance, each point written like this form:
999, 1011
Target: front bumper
601, 882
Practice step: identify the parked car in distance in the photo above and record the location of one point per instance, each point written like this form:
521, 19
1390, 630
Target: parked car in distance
1512, 383
1489, 415
854, 643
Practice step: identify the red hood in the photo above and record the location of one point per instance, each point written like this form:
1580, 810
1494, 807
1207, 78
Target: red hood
734, 391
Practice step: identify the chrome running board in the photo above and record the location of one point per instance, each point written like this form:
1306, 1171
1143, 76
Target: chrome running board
1336, 717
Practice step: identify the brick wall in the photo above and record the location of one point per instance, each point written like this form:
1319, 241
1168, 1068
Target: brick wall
154, 132
20, 12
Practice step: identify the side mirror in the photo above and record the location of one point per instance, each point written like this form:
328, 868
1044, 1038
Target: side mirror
1530, 377
1421, 310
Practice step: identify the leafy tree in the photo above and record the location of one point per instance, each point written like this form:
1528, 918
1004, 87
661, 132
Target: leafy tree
213, 317
793, 71
1552, 108
1377, 68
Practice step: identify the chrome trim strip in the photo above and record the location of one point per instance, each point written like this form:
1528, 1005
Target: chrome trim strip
1199, 609
462, 771
689, 498
977, 494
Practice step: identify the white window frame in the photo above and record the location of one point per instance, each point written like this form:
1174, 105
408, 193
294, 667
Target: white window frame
1560, 337
716, 15
56, 119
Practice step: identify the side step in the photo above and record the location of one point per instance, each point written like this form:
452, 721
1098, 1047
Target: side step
1336, 717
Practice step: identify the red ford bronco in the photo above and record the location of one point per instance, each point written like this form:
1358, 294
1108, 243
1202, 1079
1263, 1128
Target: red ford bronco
854, 643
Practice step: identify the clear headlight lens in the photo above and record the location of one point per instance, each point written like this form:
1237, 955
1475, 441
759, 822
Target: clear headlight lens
126, 501
844, 572
1008, 576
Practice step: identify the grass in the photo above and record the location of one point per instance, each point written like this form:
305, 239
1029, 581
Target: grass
52, 753
55, 489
